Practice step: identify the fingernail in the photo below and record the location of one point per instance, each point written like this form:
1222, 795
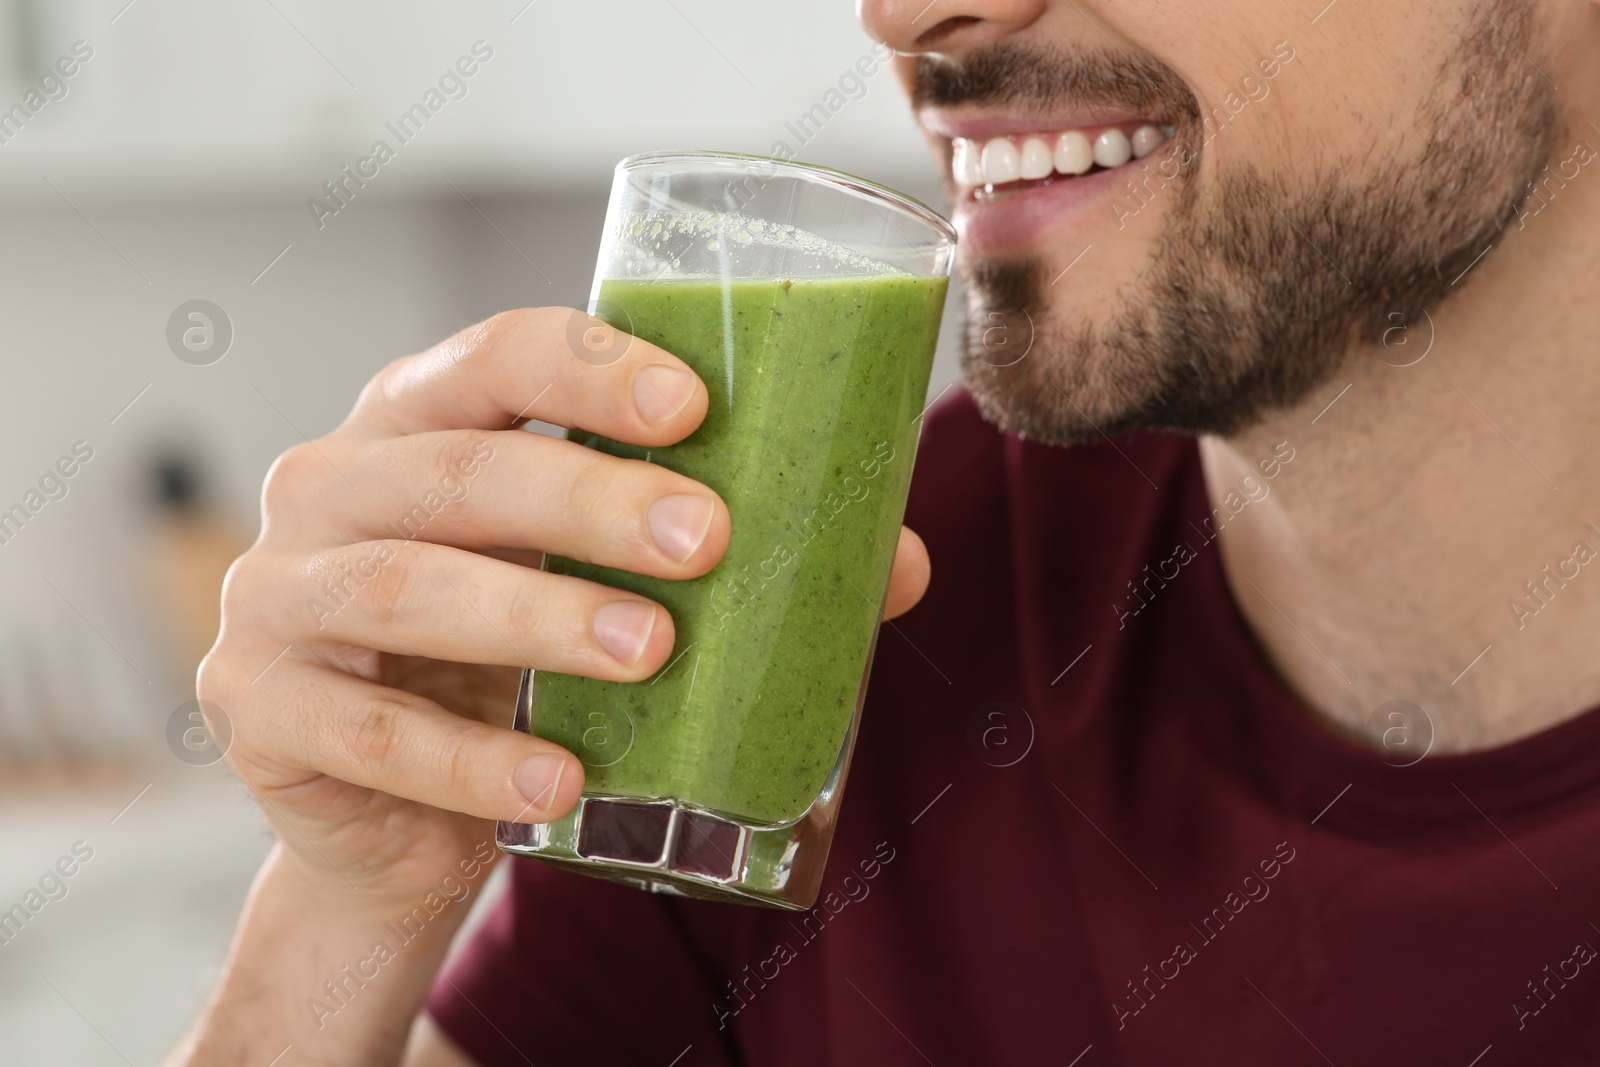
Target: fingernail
623, 628
679, 523
660, 392
538, 778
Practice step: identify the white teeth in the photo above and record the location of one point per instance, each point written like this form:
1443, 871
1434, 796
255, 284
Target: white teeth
1001, 162
1112, 149
965, 166
1146, 139
1073, 153
1037, 161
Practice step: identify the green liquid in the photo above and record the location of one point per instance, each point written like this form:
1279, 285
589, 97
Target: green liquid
816, 387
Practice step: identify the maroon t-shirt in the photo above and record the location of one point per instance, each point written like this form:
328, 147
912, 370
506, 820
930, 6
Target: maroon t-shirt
1086, 825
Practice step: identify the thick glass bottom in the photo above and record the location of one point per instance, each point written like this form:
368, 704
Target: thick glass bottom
668, 846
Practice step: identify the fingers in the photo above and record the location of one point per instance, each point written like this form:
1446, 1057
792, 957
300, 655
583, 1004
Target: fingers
481, 489
408, 746
553, 364
415, 599
908, 581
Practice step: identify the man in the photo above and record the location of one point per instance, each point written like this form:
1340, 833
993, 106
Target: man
1265, 741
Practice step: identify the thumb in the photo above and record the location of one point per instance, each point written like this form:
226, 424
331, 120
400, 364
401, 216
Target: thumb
909, 578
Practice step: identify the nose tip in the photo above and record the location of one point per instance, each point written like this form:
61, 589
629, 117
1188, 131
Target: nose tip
912, 26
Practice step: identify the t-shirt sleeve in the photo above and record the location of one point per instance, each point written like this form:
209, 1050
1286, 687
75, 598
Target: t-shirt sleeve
573, 970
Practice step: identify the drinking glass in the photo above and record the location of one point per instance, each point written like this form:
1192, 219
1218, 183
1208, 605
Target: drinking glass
808, 301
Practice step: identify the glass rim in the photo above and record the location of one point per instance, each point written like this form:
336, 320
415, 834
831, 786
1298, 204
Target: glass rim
839, 179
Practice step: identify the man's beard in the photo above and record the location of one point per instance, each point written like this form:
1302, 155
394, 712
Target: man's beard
1260, 286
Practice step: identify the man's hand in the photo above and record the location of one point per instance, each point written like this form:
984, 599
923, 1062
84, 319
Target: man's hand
372, 637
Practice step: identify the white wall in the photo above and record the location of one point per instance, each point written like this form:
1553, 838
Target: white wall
178, 167
194, 95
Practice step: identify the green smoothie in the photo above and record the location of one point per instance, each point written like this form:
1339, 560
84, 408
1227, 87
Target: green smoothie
816, 387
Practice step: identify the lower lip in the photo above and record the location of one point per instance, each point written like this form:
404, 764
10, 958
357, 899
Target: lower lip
1017, 221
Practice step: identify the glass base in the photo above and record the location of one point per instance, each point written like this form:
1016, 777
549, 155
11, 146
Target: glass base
667, 846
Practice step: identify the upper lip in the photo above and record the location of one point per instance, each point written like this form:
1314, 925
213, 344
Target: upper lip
978, 125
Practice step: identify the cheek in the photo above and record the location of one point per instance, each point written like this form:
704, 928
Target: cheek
1338, 88
1346, 90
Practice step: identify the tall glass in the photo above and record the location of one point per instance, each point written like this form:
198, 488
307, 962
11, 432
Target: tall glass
809, 303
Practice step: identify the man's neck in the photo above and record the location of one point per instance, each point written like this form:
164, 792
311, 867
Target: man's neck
1436, 538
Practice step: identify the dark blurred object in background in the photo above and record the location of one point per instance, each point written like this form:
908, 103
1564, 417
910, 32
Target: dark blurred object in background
192, 543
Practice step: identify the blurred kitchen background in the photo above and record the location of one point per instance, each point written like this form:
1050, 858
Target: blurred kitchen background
174, 164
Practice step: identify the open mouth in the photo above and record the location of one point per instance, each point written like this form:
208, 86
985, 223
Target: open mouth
999, 166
